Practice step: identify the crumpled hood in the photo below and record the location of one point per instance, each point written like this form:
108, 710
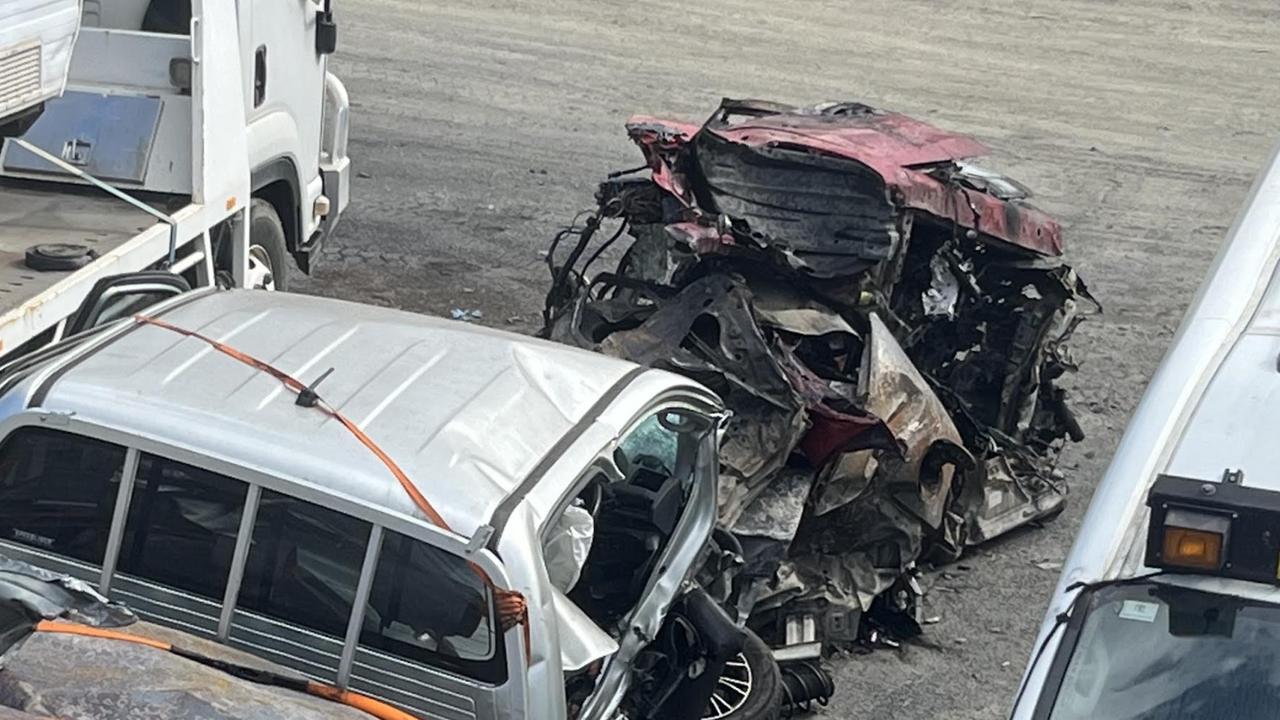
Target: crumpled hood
883, 140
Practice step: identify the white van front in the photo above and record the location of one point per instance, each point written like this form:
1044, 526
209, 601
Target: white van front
1189, 636
1169, 603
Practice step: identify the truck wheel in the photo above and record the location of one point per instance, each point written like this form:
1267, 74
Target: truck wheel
268, 254
750, 687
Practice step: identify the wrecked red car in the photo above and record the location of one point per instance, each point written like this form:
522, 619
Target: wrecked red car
887, 321
838, 184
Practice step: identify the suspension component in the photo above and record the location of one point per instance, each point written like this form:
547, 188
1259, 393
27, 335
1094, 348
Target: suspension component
805, 682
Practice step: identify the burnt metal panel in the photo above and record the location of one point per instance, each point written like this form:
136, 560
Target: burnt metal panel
834, 213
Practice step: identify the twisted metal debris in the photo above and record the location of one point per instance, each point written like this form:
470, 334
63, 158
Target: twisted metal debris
887, 322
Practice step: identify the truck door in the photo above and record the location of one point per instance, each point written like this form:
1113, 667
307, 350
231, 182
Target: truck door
289, 56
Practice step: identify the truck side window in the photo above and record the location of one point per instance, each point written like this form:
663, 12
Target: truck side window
304, 564
432, 606
172, 17
182, 525
58, 490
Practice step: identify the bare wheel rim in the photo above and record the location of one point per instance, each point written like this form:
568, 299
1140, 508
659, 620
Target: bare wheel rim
732, 689
261, 275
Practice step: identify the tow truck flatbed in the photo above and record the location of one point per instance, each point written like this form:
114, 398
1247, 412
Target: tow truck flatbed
32, 213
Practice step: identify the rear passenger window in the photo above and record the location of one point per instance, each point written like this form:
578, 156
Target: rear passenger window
432, 606
182, 524
304, 564
58, 490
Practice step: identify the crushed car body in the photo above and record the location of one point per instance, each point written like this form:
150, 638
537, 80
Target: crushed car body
831, 183
885, 320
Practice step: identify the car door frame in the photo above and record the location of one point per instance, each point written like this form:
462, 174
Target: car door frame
648, 396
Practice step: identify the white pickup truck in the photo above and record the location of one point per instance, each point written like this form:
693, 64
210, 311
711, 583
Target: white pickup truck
216, 126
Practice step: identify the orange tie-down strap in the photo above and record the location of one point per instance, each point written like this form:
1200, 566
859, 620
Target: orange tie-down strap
511, 606
372, 706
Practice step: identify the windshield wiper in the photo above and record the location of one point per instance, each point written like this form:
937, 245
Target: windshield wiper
1061, 619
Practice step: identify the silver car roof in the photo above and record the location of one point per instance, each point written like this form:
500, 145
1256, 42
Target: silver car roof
467, 412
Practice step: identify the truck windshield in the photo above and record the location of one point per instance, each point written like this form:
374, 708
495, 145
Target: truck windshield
1153, 651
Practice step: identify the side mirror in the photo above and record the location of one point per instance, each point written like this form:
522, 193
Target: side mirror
326, 31
119, 296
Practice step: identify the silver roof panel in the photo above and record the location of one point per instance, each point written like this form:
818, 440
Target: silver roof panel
466, 411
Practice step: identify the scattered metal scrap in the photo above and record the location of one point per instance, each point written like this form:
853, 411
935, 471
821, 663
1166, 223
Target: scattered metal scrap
886, 320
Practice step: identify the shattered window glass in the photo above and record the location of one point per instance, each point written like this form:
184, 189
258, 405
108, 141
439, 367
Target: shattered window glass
182, 524
650, 445
432, 606
58, 490
304, 564
1159, 652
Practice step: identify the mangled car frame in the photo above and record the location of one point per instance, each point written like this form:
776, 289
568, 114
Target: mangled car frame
885, 320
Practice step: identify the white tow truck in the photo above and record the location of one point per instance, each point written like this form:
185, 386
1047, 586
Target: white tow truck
200, 137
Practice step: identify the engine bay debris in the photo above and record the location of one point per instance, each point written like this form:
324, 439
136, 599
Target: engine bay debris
886, 320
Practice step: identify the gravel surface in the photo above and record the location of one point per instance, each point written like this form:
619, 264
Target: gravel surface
480, 127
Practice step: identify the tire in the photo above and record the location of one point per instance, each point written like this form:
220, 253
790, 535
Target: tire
764, 699
267, 244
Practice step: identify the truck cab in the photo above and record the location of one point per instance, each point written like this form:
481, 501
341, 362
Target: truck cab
1169, 603
222, 125
133, 61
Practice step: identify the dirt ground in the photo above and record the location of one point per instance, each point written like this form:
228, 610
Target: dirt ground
481, 126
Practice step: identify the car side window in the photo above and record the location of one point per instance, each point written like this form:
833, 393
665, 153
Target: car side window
181, 527
304, 564
651, 446
432, 606
58, 493
606, 555
58, 490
